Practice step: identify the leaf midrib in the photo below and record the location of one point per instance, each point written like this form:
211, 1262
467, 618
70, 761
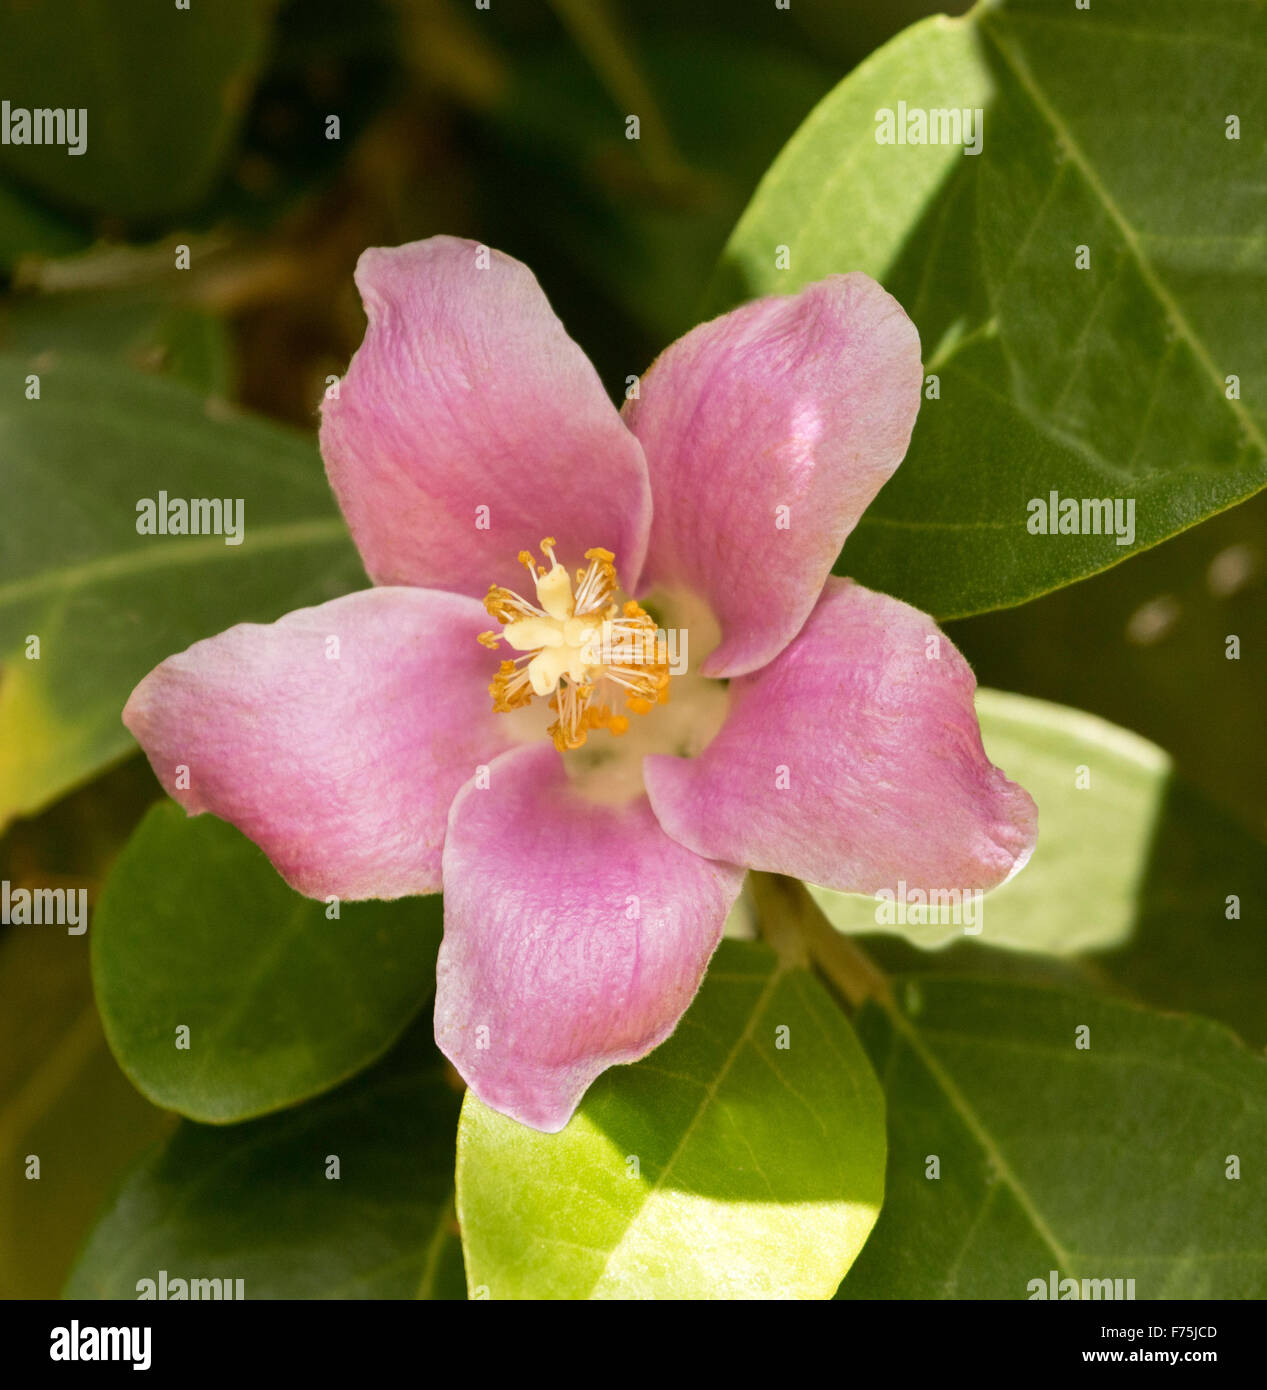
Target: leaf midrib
1130, 238
976, 1128
169, 555
778, 969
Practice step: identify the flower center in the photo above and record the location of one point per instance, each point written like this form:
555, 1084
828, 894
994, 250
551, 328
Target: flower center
589, 655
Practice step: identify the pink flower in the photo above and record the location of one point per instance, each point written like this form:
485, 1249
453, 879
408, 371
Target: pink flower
829, 730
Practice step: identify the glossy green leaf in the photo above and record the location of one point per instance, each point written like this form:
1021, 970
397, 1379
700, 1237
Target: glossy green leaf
1103, 128
1099, 792
196, 931
260, 1202
165, 90
1135, 1157
735, 1161
108, 604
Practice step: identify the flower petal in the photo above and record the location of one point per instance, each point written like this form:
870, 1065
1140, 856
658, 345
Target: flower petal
575, 936
852, 761
340, 767
467, 393
804, 402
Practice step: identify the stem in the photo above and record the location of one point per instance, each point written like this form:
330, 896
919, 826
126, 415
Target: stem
790, 921
779, 912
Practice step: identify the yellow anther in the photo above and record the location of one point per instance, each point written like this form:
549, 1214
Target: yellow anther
581, 650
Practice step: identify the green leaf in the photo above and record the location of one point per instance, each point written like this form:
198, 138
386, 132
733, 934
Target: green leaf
723, 1165
108, 604
1196, 944
1103, 382
165, 91
1099, 792
196, 930
258, 1203
1199, 943
1107, 1162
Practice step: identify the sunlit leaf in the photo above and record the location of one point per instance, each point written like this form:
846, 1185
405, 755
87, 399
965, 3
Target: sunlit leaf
1099, 792
738, 1160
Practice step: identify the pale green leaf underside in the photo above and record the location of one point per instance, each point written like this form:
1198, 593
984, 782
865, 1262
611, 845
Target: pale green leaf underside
1099, 792
758, 1169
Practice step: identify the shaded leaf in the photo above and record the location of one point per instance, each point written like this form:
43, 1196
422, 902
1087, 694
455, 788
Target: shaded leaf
196, 930
723, 1165
140, 328
26, 227
1104, 1163
165, 90
256, 1202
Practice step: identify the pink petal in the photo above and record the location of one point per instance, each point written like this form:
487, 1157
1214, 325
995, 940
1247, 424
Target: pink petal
804, 402
879, 746
341, 768
575, 936
467, 393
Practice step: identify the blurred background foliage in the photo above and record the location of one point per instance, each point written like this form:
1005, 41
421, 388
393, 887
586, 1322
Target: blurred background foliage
512, 132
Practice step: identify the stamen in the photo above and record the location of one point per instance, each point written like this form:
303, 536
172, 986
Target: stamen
580, 649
